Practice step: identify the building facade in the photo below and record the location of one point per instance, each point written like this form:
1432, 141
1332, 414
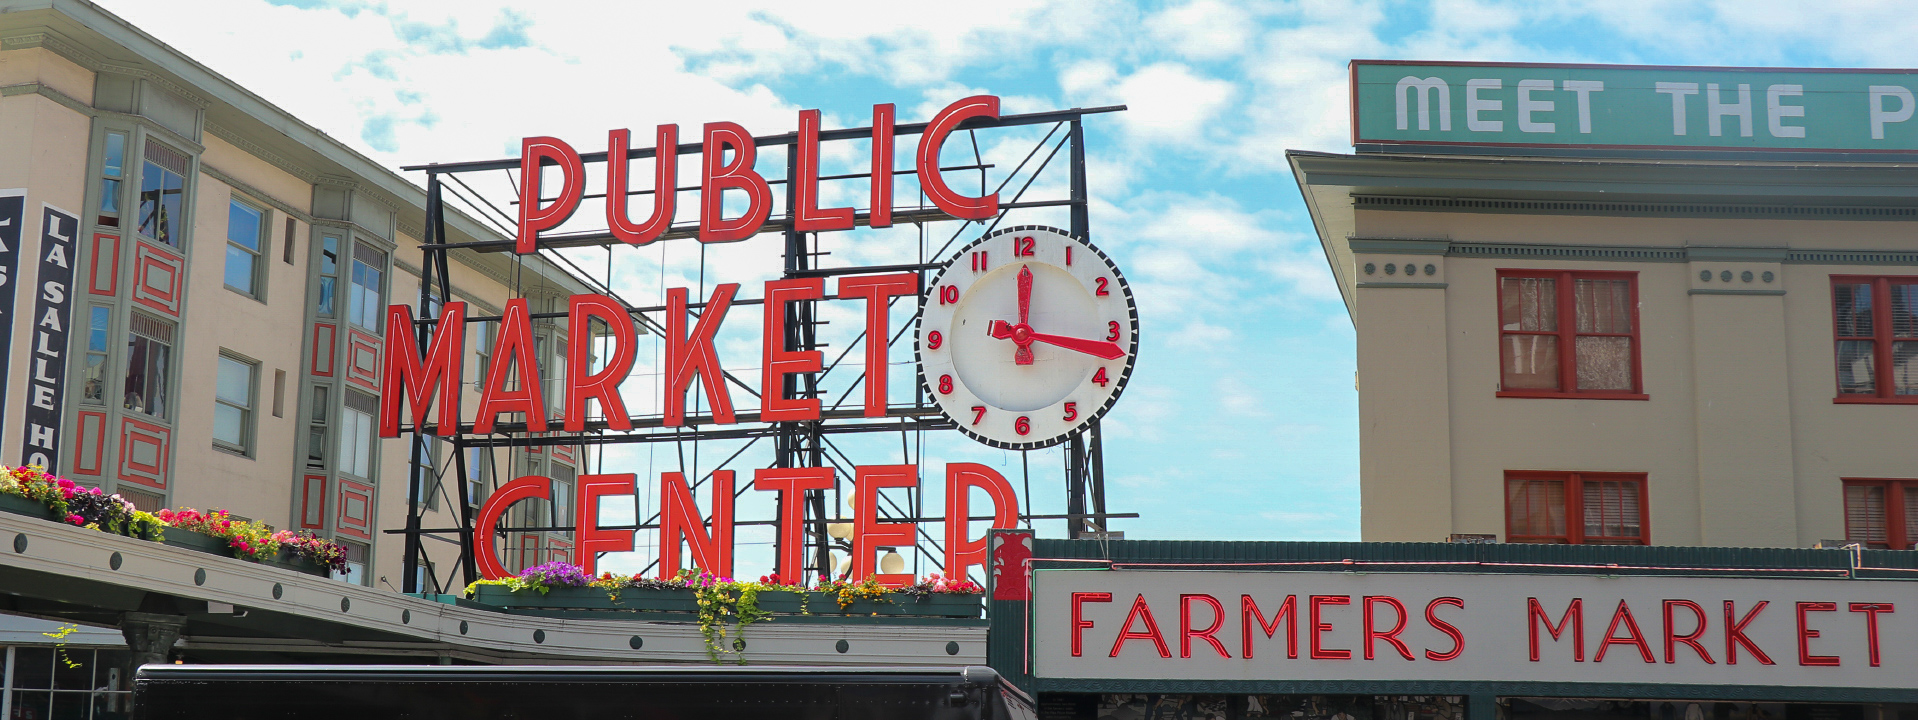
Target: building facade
230, 268
1698, 342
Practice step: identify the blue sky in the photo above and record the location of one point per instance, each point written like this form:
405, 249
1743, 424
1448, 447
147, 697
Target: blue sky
1241, 422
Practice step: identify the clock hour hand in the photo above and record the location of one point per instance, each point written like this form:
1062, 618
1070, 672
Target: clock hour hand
1097, 348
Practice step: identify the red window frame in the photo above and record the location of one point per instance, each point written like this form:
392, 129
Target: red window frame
1881, 338
1574, 484
1567, 334
1895, 496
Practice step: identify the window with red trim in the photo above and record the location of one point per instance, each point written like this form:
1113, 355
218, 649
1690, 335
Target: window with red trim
1568, 334
1576, 508
1877, 514
1875, 335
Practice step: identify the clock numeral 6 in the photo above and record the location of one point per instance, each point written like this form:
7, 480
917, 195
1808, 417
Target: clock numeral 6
945, 384
1072, 411
978, 413
948, 294
1112, 331
934, 339
1023, 425
1100, 377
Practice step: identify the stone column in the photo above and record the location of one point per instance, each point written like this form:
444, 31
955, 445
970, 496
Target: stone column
150, 636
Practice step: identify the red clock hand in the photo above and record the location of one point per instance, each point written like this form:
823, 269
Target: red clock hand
1003, 330
1023, 354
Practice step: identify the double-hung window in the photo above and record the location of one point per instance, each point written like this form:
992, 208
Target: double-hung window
112, 171
363, 306
1875, 327
1568, 334
1576, 508
163, 193
356, 434
1881, 513
149, 357
93, 381
233, 397
329, 274
245, 233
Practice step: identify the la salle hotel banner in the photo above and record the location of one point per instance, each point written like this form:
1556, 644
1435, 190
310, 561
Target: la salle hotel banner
1205, 625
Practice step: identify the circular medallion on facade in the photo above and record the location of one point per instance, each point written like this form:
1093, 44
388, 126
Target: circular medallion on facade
1027, 336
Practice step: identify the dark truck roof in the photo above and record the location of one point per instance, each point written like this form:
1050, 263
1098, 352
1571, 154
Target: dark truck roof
362, 692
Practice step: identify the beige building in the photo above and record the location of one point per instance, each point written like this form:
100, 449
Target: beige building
231, 269
1634, 346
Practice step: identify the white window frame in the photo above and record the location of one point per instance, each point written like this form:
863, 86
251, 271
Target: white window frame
258, 276
245, 447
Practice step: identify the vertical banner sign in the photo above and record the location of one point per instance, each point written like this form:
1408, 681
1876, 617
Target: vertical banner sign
52, 312
13, 213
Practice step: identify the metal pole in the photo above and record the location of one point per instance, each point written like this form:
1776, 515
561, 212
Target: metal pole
410, 581
469, 569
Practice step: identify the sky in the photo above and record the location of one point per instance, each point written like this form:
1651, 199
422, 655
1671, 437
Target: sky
1240, 422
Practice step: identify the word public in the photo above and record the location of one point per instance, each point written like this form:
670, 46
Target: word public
728, 155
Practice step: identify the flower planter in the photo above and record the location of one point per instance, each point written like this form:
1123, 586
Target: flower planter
200, 542
936, 605
299, 564
588, 598
22, 505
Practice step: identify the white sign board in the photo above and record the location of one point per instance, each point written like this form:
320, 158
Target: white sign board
1203, 625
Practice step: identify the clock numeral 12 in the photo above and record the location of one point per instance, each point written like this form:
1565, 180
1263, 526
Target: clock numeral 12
1024, 247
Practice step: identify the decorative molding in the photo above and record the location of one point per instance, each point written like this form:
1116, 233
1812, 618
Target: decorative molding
65, 100
1631, 209
1399, 246
1535, 251
1416, 285
44, 38
1737, 254
256, 150
1851, 257
183, 91
1716, 291
255, 193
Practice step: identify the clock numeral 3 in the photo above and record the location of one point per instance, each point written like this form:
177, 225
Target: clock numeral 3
1023, 425
1024, 247
1072, 411
948, 294
1112, 331
1099, 377
945, 384
978, 413
934, 340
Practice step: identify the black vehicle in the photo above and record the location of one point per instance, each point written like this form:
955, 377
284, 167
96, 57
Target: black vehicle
432, 692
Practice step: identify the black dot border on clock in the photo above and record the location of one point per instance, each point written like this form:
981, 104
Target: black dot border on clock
1132, 353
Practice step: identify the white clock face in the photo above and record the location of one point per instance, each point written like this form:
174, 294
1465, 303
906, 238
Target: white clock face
1027, 336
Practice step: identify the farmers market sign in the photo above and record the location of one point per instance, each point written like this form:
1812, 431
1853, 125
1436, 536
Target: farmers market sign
1633, 107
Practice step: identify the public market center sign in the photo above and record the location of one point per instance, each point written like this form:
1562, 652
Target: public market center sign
1506, 627
1634, 107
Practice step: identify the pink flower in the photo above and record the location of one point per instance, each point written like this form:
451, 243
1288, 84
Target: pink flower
77, 520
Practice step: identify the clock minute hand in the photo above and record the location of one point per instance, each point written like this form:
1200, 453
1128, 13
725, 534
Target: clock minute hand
1095, 348
1022, 355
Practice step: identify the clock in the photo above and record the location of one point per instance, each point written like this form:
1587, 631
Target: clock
1027, 336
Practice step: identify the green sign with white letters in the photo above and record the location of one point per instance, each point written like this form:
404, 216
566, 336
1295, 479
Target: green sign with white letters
1634, 107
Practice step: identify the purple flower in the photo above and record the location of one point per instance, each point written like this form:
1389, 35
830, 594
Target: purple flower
557, 574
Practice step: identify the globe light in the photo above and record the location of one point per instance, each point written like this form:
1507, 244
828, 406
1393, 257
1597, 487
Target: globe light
891, 563
839, 530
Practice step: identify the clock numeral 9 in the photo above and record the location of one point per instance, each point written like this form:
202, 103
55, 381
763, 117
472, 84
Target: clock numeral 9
1023, 425
1024, 246
978, 413
948, 294
1102, 288
1072, 411
945, 384
1099, 377
1112, 331
934, 340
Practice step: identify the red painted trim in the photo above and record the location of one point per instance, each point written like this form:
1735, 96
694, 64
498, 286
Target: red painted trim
1568, 334
154, 475
312, 489
360, 527
357, 341
145, 258
80, 464
1881, 339
323, 349
1575, 506
93, 265
1894, 519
